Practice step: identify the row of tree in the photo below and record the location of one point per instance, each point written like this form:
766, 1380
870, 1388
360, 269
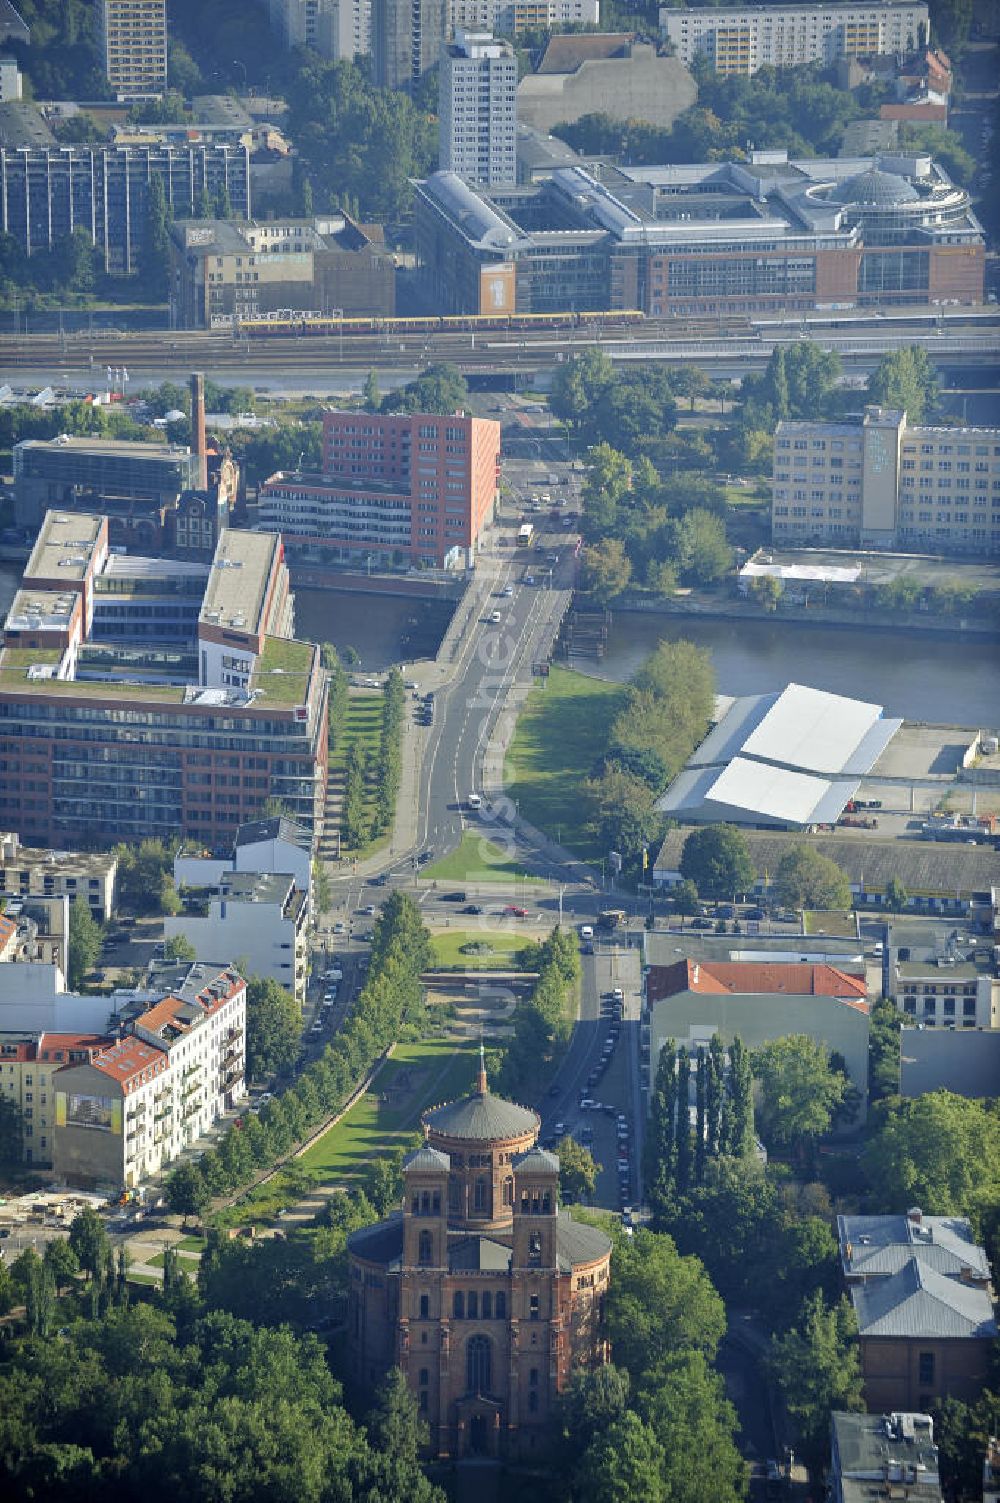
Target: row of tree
716, 864
666, 714
543, 1022
389, 762
392, 997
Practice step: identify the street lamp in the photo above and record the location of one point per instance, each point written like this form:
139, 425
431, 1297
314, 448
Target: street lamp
238, 63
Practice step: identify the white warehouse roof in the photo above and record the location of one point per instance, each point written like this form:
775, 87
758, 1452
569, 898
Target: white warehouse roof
790, 759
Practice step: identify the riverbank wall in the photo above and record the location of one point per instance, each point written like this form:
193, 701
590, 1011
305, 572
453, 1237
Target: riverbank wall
710, 606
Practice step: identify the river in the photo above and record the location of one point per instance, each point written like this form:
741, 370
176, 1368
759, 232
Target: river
919, 675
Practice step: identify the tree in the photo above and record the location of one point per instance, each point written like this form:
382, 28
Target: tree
817, 1368
85, 937
624, 1465
625, 816
799, 1091
717, 860
737, 1133
703, 555
805, 878
11, 1133
397, 1436
767, 591
606, 570
963, 1432
660, 1302
61, 1261
155, 253
883, 1050
578, 384
684, 896
682, 1400
896, 895
187, 1193
179, 947
905, 379
440, 389
938, 1151
950, 22
370, 393
88, 1239
577, 1170
6, 1288
273, 1028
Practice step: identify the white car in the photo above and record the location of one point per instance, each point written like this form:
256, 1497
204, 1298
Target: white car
334, 974
586, 931
507, 591
495, 618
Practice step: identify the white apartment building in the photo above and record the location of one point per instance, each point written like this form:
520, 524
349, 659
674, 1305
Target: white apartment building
132, 46
334, 28
177, 1066
741, 39
875, 482
509, 18
259, 918
478, 109
25, 872
946, 992
10, 80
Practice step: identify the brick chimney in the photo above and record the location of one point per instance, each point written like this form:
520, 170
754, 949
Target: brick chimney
198, 428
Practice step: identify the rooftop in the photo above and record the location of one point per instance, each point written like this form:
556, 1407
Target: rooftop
790, 757
765, 977
130, 1058
256, 887
138, 450
64, 546
884, 1448
283, 670
237, 583
919, 1303
481, 1117
280, 827
923, 866
880, 1245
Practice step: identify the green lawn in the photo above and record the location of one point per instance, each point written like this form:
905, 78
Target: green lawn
443, 1069
363, 723
476, 859
560, 733
504, 944
191, 1244
186, 1260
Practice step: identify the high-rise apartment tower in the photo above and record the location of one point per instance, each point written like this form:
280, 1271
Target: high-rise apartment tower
478, 108
132, 43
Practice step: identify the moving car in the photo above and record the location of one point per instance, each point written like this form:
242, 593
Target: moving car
495, 618
472, 908
453, 897
512, 911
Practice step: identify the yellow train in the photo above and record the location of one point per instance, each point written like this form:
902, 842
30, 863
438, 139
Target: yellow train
285, 321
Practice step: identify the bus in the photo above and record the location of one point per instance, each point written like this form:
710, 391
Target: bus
524, 535
611, 918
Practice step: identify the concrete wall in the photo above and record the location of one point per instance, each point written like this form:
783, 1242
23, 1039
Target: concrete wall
966, 1061
642, 87
691, 1018
254, 932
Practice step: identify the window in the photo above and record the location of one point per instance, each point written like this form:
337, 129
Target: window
535, 1248
501, 1305
425, 1249
925, 1364
472, 1305
480, 1193
487, 1305
533, 1311
425, 1306
508, 1191
458, 1305
478, 1364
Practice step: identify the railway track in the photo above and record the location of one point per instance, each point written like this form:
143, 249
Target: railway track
91, 353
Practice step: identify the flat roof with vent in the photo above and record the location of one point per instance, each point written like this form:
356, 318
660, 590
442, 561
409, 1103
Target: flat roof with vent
237, 580
64, 546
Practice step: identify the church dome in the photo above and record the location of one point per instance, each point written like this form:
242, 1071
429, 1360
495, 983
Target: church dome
874, 189
481, 1117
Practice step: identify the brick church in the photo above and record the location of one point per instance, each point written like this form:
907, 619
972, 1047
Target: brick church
479, 1289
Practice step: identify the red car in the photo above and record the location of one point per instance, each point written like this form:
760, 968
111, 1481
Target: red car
512, 912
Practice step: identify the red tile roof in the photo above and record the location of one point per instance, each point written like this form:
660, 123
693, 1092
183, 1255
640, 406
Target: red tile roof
794, 978
130, 1060
168, 1012
51, 1044
8, 926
